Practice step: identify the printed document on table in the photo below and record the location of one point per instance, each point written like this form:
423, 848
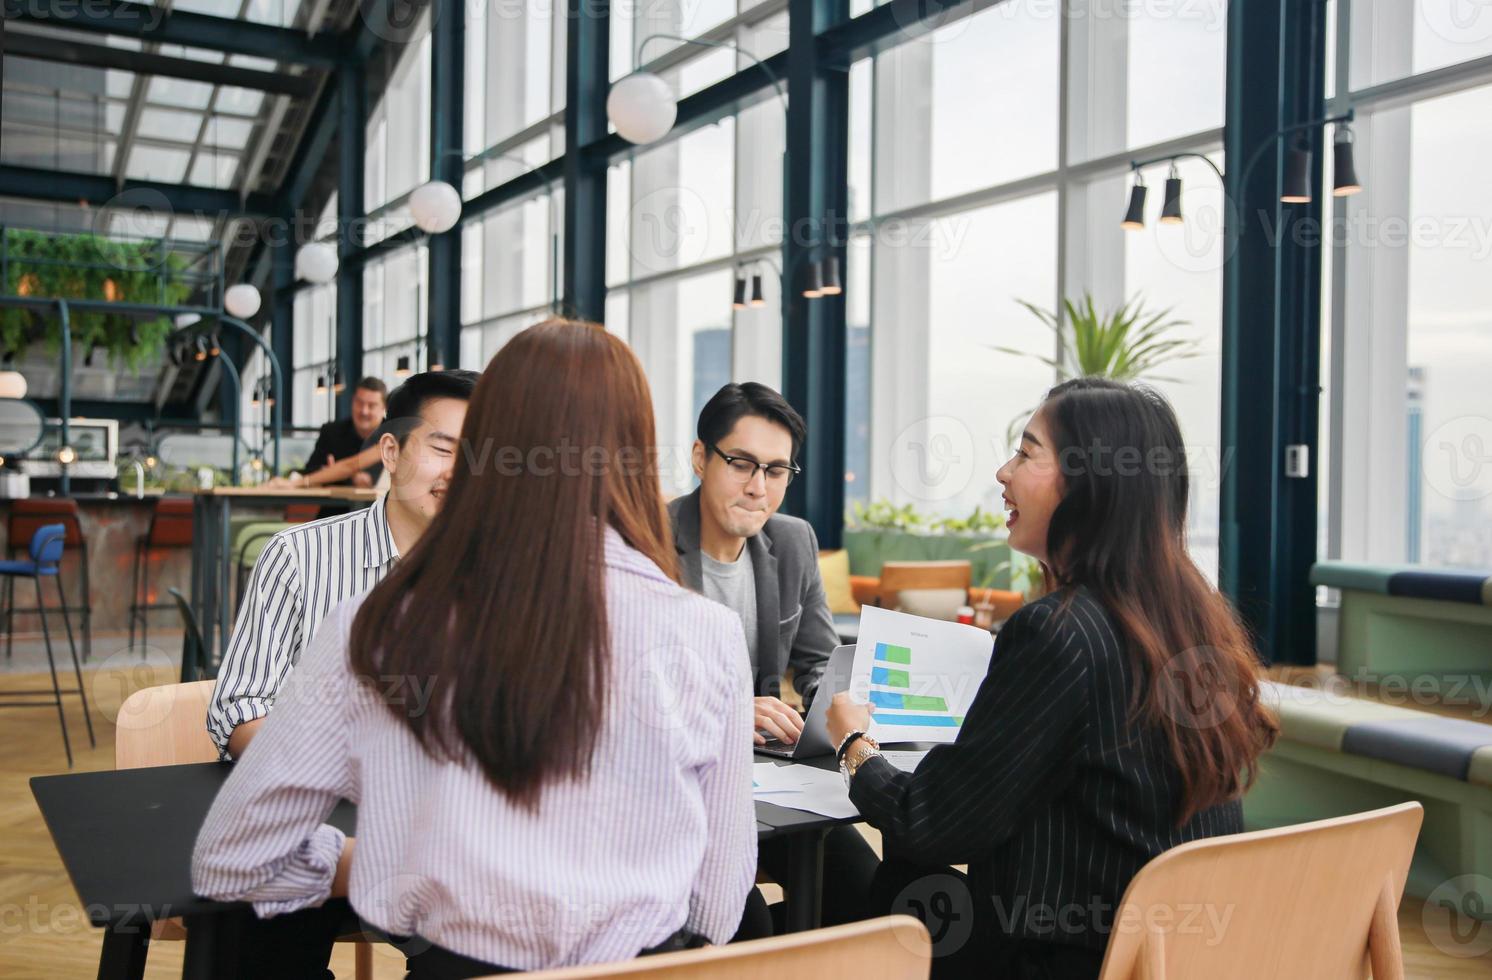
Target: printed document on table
920, 674
803, 788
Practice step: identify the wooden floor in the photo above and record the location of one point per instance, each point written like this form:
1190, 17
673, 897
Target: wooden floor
42, 931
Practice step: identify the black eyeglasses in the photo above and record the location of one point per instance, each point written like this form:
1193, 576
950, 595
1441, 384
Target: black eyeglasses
745, 469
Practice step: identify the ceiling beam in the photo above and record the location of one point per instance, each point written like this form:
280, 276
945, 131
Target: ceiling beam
98, 190
158, 26
24, 44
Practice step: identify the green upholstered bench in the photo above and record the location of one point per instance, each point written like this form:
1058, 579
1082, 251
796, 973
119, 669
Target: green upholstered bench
1339, 754
1408, 621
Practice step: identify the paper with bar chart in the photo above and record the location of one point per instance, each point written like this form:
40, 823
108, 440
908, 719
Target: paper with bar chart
920, 674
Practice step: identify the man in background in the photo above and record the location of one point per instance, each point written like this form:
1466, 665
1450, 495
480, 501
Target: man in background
349, 436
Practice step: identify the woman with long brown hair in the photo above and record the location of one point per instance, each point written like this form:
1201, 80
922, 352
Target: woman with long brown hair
1120, 715
548, 738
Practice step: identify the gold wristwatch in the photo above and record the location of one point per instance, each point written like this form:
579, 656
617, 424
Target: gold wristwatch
865, 748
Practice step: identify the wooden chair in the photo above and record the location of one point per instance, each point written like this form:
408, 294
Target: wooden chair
1313, 900
898, 575
167, 726
896, 947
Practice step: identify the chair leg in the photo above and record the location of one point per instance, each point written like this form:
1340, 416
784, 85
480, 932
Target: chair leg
87, 604
145, 603
362, 960
135, 593
77, 671
10, 604
56, 689
10, 617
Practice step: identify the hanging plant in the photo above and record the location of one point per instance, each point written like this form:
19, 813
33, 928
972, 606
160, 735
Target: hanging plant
85, 267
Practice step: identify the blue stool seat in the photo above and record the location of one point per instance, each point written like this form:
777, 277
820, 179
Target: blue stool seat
46, 553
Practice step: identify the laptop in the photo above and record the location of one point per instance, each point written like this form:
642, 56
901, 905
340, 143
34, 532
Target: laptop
814, 741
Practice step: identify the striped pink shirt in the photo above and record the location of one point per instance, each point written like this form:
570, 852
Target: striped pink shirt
661, 834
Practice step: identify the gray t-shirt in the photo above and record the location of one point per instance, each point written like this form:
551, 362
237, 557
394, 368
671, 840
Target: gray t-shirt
733, 584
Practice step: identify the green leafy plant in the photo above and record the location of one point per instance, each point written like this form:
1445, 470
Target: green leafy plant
52, 266
1129, 343
883, 515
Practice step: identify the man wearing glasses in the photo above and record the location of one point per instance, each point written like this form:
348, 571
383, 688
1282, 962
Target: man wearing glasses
736, 549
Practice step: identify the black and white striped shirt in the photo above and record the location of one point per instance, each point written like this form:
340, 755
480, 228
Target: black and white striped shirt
1052, 794
304, 571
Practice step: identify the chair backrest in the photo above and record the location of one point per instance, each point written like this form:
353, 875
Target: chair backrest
898, 575
171, 523
165, 726
47, 544
1314, 900
193, 650
29, 515
896, 947
300, 513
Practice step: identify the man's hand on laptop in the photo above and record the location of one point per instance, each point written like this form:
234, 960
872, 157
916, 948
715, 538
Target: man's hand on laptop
774, 719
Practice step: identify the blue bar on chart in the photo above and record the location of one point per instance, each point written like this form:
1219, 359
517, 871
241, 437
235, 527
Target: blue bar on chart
931, 721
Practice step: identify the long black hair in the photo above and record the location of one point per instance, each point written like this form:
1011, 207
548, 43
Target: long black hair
1120, 530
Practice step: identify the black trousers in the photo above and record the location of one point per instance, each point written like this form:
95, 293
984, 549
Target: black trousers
969, 942
296, 946
849, 870
427, 961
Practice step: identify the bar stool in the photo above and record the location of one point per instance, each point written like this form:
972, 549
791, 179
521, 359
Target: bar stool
47, 544
170, 530
26, 517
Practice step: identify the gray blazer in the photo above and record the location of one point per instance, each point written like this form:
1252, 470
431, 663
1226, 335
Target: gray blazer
789, 594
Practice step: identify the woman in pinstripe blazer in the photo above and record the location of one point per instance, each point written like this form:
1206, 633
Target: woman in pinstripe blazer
1120, 715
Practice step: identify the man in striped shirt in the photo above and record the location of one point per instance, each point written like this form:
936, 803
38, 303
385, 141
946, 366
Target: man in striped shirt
307, 569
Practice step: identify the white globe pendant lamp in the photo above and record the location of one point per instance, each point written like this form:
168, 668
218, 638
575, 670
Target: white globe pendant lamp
642, 107
241, 301
316, 262
12, 384
435, 207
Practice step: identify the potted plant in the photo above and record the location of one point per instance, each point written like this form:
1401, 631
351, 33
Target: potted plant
1126, 344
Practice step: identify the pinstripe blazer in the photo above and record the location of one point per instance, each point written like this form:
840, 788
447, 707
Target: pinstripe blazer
1051, 794
304, 571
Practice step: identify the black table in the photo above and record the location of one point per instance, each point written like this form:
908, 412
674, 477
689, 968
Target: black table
126, 839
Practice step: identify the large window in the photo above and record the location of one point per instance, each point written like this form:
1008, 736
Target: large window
1411, 280
687, 218
968, 201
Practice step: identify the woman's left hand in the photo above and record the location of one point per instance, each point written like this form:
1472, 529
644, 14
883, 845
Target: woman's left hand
847, 716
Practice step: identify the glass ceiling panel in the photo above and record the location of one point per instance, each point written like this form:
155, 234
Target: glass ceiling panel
157, 163
227, 133
180, 92
249, 61
214, 8
192, 229
169, 124
238, 100
194, 54
119, 83
214, 170
280, 13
